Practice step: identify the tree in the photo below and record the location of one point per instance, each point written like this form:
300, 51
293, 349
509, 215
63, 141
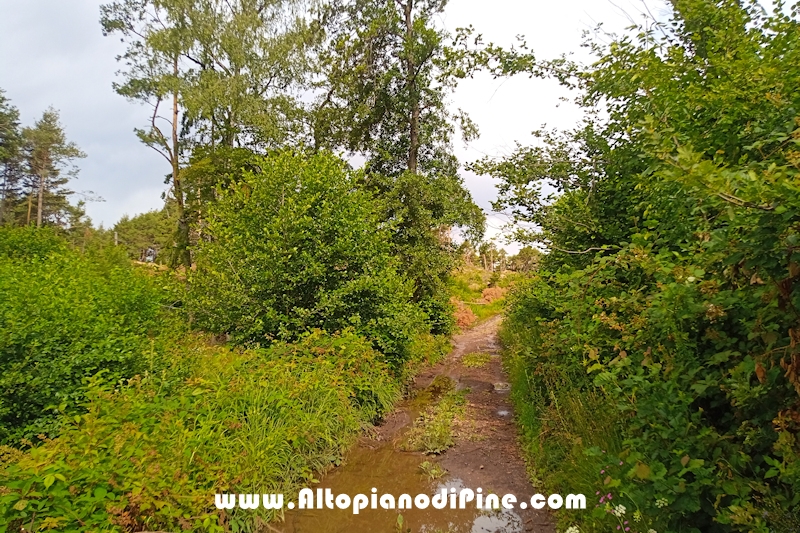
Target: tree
49, 157
526, 260
151, 230
224, 70
386, 76
10, 158
487, 250
669, 299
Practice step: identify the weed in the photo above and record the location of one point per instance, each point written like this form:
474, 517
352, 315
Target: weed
432, 470
432, 432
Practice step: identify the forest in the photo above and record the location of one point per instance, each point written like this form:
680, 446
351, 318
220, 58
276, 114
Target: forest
318, 250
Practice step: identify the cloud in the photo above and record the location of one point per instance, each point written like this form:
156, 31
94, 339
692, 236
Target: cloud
53, 53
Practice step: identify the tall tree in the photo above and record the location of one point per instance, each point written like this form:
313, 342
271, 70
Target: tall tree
49, 159
10, 156
224, 70
383, 96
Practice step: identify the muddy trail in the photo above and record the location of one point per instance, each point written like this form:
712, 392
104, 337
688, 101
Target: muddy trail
485, 455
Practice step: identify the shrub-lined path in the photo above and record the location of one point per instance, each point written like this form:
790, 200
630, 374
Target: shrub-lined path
486, 454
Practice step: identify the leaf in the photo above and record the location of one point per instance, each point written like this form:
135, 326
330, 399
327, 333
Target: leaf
761, 374
49, 480
21, 505
685, 460
642, 471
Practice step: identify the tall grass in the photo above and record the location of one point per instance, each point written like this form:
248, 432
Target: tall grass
151, 453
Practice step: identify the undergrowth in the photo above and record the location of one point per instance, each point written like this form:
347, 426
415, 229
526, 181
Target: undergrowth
433, 432
151, 453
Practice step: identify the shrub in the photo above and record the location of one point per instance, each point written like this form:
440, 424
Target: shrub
296, 245
64, 316
152, 453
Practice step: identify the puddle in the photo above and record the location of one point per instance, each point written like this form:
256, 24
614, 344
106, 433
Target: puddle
502, 387
394, 472
381, 465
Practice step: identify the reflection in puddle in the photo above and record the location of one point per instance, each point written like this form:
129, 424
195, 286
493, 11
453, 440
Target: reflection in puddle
395, 472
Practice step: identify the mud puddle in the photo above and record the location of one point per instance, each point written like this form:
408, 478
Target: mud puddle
485, 455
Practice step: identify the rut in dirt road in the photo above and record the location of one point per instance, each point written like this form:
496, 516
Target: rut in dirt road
485, 454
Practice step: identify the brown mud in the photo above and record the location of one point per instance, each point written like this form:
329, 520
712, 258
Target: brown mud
486, 454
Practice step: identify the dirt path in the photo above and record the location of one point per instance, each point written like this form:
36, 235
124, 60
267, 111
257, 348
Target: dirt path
486, 454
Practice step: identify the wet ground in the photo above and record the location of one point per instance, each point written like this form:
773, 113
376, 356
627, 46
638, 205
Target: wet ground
486, 455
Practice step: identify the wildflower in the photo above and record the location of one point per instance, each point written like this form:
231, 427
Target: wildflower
637, 516
619, 510
572, 529
661, 503
652, 531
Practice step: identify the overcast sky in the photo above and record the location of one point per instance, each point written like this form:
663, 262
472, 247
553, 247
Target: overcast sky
52, 52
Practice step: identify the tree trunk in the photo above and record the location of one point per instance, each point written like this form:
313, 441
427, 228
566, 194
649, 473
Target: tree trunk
411, 88
30, 207
183, 256
40, 204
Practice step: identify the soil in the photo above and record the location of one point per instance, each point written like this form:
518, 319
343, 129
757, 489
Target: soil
486, 454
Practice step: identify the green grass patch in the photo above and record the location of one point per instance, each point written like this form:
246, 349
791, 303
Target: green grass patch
476, 360
432, 470
432, 432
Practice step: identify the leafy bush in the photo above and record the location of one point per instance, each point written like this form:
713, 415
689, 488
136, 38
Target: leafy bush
656, 357
65, 316
152, 453
297, 245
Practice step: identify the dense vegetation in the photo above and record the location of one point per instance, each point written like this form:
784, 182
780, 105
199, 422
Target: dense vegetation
65, 316
297, 245
652, 333
655, 353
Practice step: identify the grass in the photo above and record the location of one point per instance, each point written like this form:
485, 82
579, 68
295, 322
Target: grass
147, 454
476, 360
558, 421
433, 431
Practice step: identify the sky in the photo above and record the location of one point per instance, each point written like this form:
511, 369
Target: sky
53, 53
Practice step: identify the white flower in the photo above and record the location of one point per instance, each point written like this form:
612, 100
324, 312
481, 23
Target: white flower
661, 503
619, 510
572, 529
652, 531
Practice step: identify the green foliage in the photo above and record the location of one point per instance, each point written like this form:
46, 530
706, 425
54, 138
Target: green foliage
432, 471
296, 246
153, 229
663, 369
150, 454
387, 75
65, 316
